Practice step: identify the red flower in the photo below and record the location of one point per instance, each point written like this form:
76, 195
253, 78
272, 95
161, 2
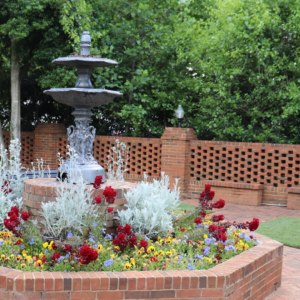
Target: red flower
198, 221
98, 199
98, 181
54, 247
67, 248
109, 194
18, 242
127, 229
153, 259
219, 204
120, 228
132, 241
44, 259
4, 187
87, 254
203, 213
15, 210
254, 224
110, 209
182, 229
212, 228
25, 216
55, 256
144, 244
219, 218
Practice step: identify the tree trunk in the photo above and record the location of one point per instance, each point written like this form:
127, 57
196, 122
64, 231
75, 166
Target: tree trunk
15, 119
1, 137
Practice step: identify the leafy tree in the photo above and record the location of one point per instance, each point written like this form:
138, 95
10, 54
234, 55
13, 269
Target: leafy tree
246, 57
32, 30
144, 36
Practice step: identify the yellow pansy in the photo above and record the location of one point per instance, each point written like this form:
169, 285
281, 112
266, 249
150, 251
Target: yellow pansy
161, 253
144, 255
246, 247
150, 249
112, 256
127, 266
117, 247
12, 256
132, 262
169, 253
159, 238
205, 236
3, 257
23, 266
19, 258
207, 216
41, 255
50, 246
45, 245
100, 247
24, 252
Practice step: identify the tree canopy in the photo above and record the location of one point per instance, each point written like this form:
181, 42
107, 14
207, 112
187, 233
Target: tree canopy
232, 65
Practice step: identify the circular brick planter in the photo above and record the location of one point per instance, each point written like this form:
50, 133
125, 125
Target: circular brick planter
39, 190
254, 274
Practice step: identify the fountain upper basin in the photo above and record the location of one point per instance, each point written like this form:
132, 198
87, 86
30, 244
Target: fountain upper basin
82, 97
84, 62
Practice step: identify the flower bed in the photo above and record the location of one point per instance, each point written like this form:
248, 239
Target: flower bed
254, 274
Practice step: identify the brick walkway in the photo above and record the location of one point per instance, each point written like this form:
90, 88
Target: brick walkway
290, 286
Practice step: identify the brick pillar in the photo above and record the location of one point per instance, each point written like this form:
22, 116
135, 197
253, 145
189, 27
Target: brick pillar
46, 136
175, 154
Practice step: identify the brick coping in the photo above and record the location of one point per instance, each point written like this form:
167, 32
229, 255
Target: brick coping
236, 185
253, 274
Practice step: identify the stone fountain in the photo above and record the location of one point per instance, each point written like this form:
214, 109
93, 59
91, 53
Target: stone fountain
83, 97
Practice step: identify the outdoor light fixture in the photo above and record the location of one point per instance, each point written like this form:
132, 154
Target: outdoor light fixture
179, 115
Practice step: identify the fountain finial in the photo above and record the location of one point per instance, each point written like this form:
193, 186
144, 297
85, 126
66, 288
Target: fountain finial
85, 46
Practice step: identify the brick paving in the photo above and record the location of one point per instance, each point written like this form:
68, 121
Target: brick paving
290, 286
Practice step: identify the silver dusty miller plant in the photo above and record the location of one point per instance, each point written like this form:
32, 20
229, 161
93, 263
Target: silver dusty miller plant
73, 206
117, 161
11, 179
150, 207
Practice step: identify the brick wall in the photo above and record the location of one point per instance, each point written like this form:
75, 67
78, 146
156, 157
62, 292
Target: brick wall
254, 274
178, 153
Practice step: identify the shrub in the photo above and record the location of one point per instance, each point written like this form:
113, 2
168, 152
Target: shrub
150, 207
73, 207
11, 179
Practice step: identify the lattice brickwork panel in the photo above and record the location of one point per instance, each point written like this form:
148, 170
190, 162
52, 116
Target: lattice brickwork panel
62, 147
27, 140
27, 155
145, 154
269, 164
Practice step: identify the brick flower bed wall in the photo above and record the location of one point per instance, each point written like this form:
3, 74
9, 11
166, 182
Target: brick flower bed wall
179, 154
42, 190
254, 275
293, 200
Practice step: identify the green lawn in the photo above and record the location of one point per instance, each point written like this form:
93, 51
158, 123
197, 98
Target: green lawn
283, 229
184, 206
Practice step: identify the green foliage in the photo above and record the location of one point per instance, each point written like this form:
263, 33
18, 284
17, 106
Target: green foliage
232, 65
246, 58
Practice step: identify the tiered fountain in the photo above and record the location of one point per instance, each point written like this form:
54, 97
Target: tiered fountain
83, 97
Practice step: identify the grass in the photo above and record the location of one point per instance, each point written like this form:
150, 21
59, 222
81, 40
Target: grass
183, 206
285, 230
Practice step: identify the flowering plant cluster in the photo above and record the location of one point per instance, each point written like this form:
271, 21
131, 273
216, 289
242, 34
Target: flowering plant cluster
200, 241
13, 221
